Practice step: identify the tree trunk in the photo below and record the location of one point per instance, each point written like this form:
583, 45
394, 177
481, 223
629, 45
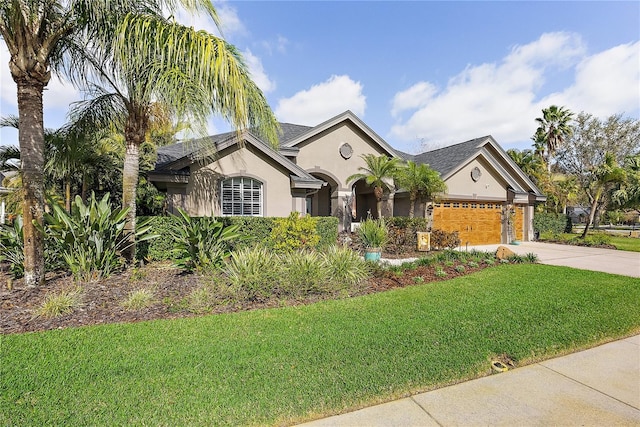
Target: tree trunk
67, 194
378, 192
134, 137
592, 214
31, 138
412, 205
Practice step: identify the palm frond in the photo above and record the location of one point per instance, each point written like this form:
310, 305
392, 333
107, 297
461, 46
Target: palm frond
200, 73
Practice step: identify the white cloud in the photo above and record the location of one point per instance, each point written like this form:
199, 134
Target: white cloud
606, 83
503, 98
230, 22
322, 101
258, 75
416, 96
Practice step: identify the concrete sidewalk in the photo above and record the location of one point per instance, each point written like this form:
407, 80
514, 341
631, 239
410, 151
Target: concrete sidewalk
595, 387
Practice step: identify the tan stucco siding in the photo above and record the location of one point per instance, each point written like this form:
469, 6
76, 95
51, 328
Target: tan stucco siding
489, 186
204, 185
321, 153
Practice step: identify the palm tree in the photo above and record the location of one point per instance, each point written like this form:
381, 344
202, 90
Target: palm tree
530, 163
39, 35
378, 171
193, 73
552, 130
419, 180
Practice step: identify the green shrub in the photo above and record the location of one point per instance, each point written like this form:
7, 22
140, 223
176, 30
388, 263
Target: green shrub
64, 302
201, 243
12, 247
304, 273
596, 239
546, 222
140, 298
253, 231
427, 261
473, 264
373, 233
294, 233
161, 248
344, 268
441, 239
460, 268
440, 272
90, 239
256, 272
327, 229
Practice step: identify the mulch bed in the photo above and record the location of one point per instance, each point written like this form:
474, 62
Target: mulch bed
102, 299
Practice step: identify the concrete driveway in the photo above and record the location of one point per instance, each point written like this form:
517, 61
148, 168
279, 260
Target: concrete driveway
584, 258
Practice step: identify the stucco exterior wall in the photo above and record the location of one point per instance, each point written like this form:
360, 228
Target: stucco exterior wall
489, 186
204, 185
321, 154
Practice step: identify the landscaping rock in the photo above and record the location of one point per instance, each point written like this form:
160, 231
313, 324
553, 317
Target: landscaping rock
504, 252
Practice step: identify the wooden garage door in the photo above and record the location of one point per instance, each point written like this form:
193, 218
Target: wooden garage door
476, 223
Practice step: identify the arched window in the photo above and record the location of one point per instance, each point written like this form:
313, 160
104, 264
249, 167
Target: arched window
241, 196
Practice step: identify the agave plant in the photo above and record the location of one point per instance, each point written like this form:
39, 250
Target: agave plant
92, 238
201, 243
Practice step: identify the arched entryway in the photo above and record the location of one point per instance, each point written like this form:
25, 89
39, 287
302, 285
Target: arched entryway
322, 202
365, 201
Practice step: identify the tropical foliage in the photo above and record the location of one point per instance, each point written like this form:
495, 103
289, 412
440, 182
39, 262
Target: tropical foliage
553, 128
420, 181
201, 243
92, 238
378, 173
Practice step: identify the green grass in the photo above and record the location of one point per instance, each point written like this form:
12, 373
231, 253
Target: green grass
289, 364
621, 243
626, 243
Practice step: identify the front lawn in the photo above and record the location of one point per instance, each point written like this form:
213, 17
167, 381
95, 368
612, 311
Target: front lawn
280, 366
626, 243
621, 243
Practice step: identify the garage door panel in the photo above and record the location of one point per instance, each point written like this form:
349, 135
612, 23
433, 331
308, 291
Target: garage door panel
475, 223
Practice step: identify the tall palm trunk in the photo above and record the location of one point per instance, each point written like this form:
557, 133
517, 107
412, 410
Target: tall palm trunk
67, 194
378, 192
134, 137
413, 196
31, 139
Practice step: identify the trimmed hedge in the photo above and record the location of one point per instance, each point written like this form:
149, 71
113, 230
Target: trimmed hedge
549, 222
254, 231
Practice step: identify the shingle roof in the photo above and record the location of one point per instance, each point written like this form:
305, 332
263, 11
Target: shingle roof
444, 160
173, 152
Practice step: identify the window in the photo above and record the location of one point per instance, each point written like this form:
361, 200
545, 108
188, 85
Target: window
465, 205
241, 196
456, 205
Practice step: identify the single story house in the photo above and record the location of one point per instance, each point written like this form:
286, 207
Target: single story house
489, 199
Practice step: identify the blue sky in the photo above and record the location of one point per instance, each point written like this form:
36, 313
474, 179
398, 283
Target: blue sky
423, 74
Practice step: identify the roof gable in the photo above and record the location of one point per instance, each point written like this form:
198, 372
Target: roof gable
451, 159
346, 116
177, 157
